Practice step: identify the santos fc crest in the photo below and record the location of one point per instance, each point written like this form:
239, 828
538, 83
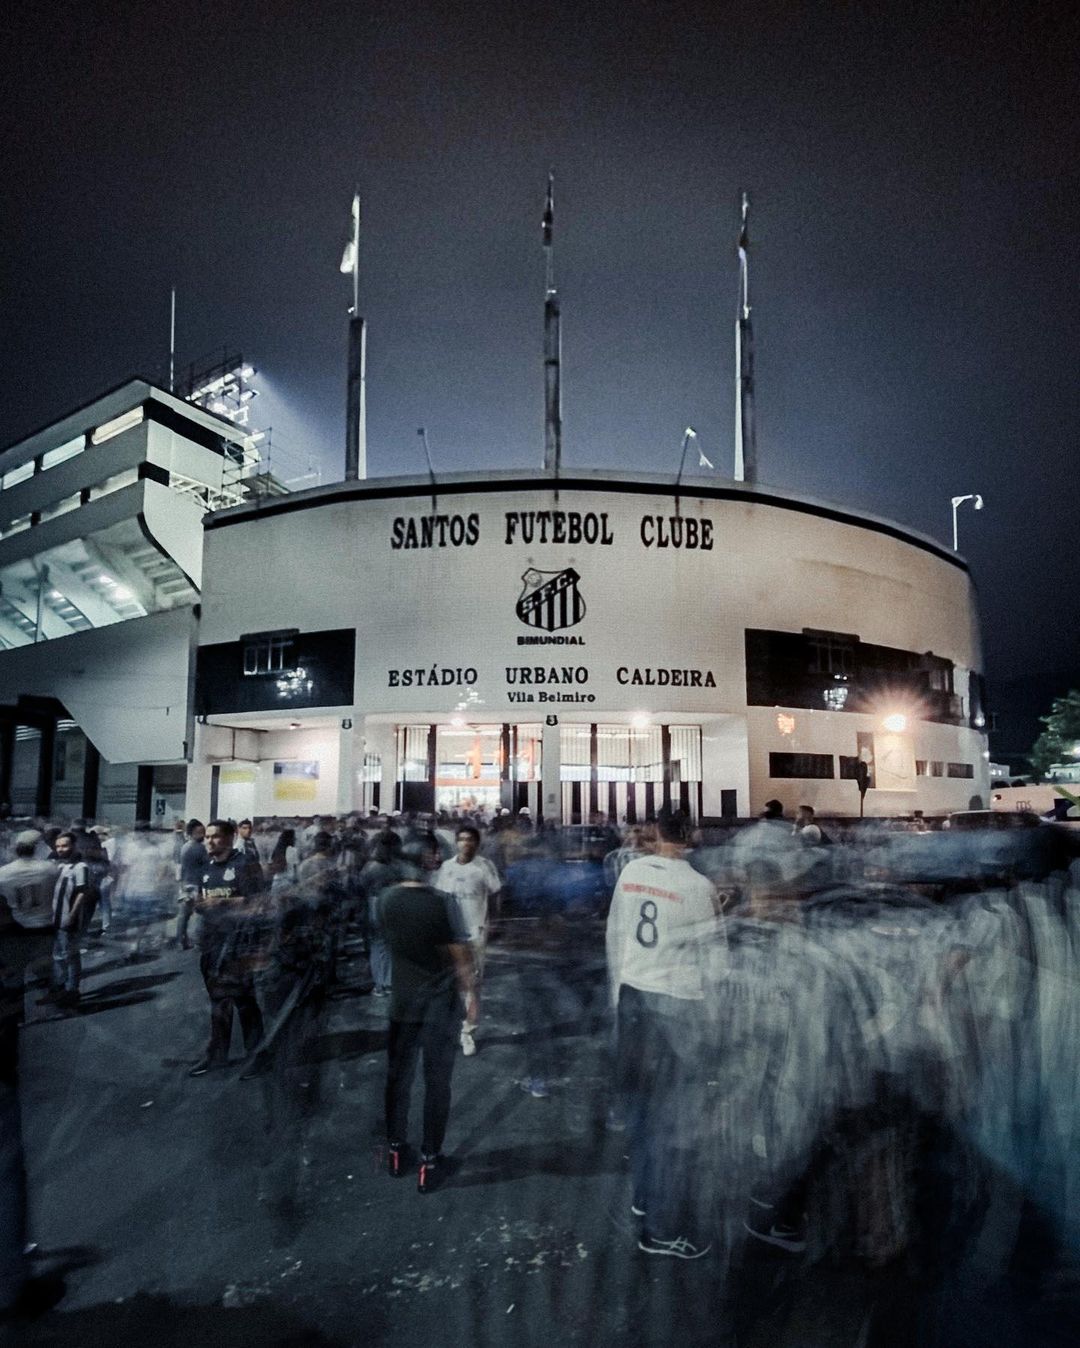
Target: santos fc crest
551, 600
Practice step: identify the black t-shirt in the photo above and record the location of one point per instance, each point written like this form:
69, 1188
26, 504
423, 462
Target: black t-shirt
418, 924
220, 882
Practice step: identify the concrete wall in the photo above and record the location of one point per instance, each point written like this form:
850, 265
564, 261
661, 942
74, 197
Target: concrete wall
126, 685
439, 633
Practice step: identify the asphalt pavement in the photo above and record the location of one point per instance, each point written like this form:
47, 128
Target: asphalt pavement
212, 1210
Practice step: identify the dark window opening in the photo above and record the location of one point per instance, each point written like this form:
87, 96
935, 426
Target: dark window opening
268, 655
961, 770
801, 765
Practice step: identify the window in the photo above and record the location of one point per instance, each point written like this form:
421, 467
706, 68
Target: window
61, 455
116, 426
961, 770
14, 476
835, 698
920, 767
61, 507
830, 653
114, 483
268, 655
801, 765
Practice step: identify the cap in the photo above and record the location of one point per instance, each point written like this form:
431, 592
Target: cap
29, 837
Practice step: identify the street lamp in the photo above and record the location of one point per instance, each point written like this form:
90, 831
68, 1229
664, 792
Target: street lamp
957, 502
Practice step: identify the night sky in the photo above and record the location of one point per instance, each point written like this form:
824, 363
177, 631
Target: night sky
914, 224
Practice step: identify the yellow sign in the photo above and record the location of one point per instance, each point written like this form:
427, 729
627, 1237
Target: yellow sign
296, 781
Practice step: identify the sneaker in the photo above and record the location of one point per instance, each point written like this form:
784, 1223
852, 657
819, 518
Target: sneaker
680, 1248
468, 1043
637, 1207
428, 1174
534, 1086
780, 1234
395, 1160
260, 1066
201, 1068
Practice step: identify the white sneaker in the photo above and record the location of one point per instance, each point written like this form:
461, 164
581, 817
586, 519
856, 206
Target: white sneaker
468, 1043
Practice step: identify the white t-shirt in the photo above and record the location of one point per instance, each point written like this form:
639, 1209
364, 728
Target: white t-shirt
72, 877
472, 883
662, 928
27, 884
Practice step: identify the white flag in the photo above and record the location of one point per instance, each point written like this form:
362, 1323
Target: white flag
349, 257
702, 461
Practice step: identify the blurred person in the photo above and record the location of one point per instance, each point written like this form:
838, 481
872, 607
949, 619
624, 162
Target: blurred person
69, 896
91, 849
21, 1293
383, 869
180, 836
431, 972
245, 842
806, 828
475, 883
318, 872
146, 887
27, 883
26, 888
193, 858
227, 903
284, 862
632, 847
663, 937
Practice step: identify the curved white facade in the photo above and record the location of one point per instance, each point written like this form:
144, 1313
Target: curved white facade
610, 602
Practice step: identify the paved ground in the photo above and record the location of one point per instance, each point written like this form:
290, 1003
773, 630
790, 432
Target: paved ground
214, 1211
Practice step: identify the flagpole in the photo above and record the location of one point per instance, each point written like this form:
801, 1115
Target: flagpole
745, 439
356, 385
172, 342
552, 345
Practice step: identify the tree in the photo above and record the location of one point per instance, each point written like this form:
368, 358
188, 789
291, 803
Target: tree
1060, 741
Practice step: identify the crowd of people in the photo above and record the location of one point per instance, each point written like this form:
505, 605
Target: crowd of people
796, 1005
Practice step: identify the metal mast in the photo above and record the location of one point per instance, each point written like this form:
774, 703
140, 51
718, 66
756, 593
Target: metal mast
745, 438
552, 346
356, 396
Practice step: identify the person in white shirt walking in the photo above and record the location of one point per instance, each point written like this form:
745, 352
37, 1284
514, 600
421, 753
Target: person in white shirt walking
664, 944
475, 883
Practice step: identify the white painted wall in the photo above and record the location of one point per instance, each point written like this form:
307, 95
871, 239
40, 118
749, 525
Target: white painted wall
647, 608
126, 685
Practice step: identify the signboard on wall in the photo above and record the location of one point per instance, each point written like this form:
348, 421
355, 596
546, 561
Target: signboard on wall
297, 781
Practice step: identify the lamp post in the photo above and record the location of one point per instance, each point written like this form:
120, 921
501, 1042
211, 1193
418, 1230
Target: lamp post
957, 502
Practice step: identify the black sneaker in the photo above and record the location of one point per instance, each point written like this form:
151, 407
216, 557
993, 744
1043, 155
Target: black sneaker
201, 1068
395, 1160
637, 1207
260, 1066
679, 1248
428, 1174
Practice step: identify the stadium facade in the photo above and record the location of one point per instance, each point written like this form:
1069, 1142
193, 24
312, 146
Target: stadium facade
602, 644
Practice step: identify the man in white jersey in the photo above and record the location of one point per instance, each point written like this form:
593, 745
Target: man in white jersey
664, 945
475, 883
